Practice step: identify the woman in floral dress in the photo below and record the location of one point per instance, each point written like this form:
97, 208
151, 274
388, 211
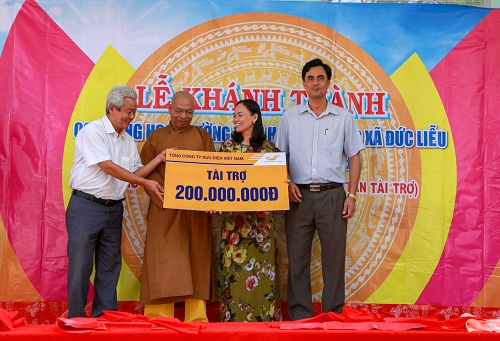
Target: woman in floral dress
246, 271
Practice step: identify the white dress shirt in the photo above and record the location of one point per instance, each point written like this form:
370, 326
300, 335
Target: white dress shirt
98, 141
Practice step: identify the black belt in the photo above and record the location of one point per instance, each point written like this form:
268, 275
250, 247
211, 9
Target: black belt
97, 200
320, 187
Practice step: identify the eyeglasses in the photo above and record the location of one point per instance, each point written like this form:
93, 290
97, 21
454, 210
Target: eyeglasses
179, 111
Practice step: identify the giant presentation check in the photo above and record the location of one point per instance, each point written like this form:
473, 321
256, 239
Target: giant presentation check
225, 181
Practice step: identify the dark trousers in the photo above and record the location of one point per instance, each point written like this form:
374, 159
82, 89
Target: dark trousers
94, 236
321, 212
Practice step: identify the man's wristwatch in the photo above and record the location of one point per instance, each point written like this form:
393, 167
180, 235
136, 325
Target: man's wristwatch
352, 196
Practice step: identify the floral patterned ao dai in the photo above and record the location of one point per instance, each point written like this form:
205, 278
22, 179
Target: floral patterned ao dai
247, 266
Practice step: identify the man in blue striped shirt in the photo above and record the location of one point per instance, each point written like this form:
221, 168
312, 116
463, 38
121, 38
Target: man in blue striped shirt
319, 138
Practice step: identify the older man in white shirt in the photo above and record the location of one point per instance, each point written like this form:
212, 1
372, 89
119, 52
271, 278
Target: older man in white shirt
106, 161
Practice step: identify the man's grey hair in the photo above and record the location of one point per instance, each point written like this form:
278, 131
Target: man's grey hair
117, 95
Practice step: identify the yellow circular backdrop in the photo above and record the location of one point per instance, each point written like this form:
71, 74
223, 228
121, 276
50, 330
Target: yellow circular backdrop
269, 53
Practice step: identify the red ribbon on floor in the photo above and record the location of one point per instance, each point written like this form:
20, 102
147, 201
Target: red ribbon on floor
364, 320
8, 320
118, 320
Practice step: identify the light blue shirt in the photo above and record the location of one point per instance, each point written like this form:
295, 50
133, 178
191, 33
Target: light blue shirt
318, 147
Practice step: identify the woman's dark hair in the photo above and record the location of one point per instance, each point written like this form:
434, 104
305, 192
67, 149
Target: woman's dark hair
258, 134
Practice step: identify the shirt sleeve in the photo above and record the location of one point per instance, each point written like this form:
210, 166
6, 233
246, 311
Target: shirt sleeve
353, 143
92, 145
281, 137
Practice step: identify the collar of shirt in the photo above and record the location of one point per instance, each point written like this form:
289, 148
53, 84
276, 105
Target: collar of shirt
330, 109
108, 126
